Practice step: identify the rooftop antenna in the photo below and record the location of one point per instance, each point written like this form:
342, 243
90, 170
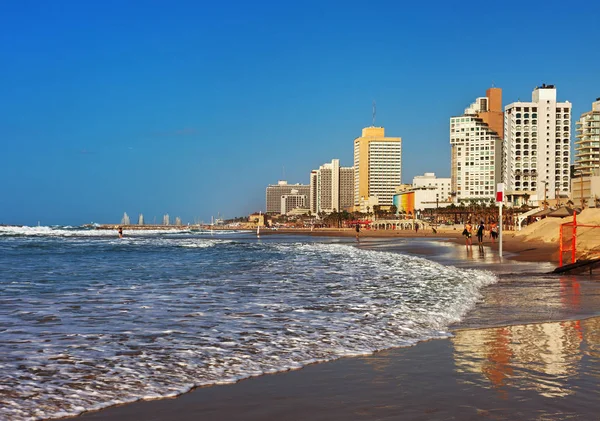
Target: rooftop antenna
374, 112
493, 84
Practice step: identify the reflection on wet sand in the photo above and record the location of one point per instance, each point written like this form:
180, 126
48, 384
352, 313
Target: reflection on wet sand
545, 357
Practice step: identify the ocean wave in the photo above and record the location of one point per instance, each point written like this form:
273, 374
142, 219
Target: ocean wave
68, 231
83, 332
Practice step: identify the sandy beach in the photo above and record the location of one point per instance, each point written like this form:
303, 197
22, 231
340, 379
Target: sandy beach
529, 350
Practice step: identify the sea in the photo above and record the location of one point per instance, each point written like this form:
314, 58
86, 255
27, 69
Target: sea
88, 320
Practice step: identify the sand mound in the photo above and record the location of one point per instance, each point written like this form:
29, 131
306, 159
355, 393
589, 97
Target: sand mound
548, 229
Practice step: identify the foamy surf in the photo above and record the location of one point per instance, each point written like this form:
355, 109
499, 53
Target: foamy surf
89, 323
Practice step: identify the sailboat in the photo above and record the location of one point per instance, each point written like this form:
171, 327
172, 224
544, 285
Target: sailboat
258, 226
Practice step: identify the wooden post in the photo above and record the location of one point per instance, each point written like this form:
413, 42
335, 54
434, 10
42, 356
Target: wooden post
560, 246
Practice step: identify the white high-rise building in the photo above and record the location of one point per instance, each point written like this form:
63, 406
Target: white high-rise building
430, 181
587, 145
475, 149
377, 167
537, 148
331, 188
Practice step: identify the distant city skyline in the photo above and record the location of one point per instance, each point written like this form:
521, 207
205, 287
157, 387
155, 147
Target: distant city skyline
192, 109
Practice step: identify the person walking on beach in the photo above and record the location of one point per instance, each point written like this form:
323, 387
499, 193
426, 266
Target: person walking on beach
416, 228
357, 231
468, 233
494, 232
120, 231
480, 231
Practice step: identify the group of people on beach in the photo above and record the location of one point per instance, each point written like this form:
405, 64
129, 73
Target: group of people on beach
480, 231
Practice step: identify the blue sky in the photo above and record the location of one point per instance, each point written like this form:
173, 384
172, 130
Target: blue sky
192, 108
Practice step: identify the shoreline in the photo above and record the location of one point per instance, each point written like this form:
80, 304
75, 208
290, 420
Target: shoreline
230, 401
515, 247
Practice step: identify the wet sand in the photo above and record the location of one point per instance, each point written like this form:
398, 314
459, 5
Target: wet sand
530, 350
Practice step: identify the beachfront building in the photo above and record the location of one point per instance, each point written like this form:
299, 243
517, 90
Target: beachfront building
586, 183
537, 148
586, 187
331, 188
275, 191
418, 198
440, 185
377, 168
475, 149
293, 201
257, 219
587, 145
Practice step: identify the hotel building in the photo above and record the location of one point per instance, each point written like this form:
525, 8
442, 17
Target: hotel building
377, 167
292, 201
475, 149
536, 149
585, 186
587, 145
282, 188
331, 188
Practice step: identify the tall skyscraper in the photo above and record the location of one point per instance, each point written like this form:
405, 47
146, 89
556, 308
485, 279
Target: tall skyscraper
332, 188
536, 148
587, 145
275, 191
377, 167
476, 149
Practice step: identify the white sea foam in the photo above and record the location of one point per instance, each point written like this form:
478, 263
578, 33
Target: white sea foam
68, 231
160, 315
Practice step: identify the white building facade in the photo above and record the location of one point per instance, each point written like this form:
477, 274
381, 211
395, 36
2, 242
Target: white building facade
475, 154
537, 148
441, 186
587, 145
331, 188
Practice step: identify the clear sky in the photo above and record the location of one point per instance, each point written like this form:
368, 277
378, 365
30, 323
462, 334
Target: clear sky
192, 108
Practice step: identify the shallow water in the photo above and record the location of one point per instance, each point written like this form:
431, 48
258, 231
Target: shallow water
88, 320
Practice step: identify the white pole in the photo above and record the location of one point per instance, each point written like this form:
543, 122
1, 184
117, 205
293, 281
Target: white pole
500, 231
500, 199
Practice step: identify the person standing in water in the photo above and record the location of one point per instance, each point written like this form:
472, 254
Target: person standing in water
480, 230
120, 231
357, 231
468, 233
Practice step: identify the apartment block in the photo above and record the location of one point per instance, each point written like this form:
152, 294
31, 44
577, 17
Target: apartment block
536, 148
587, 143
475, 149
331, 188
